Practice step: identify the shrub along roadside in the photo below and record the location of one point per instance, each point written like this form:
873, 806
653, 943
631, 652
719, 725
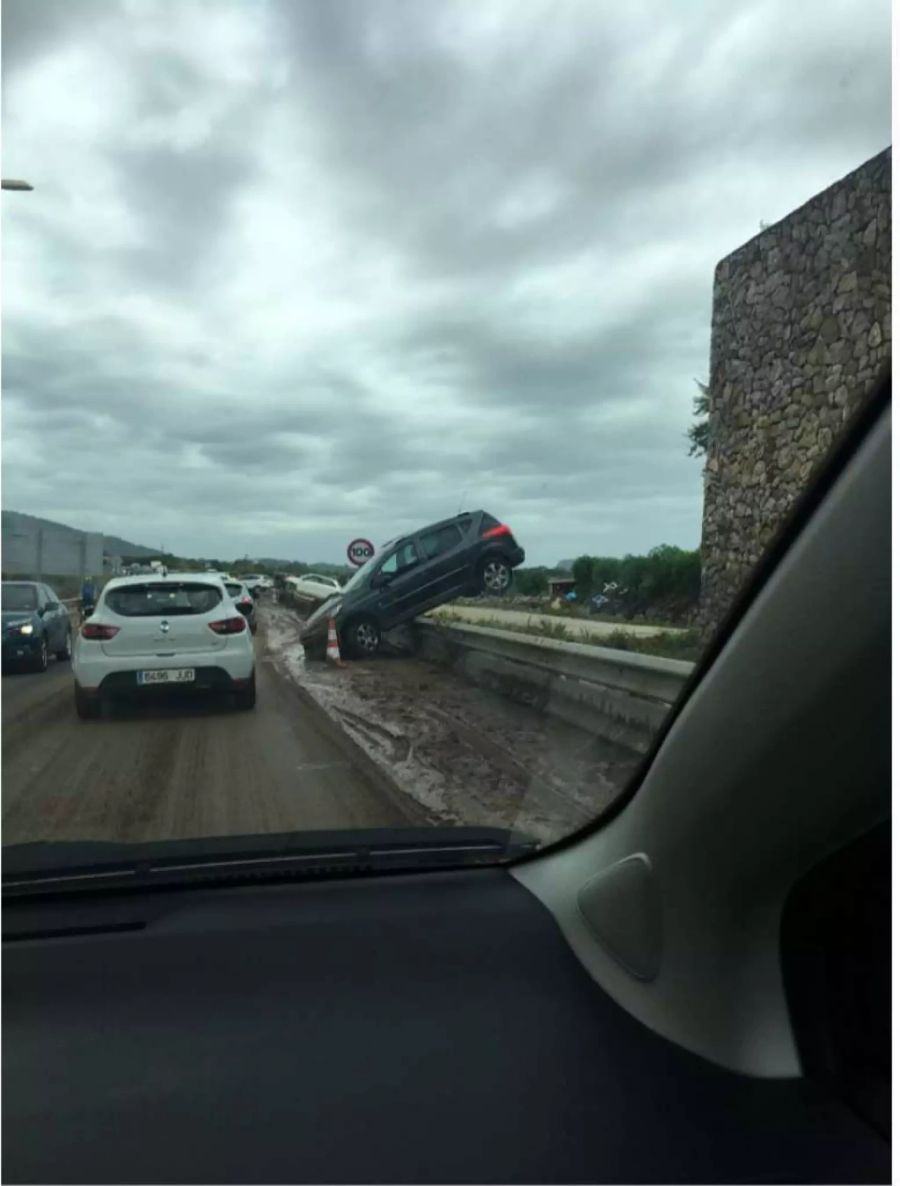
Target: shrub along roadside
665, 583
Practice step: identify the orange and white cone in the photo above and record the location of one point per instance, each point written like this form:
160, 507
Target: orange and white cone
333, 650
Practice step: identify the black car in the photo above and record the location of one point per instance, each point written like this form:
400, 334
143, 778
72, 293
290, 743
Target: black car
469, 554
35, 625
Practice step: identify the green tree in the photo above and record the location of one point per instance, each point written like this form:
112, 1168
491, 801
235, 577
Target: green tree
698, 433
531, 582
583, 575
605, 569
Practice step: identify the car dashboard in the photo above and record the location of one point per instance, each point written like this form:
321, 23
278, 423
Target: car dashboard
404, 1028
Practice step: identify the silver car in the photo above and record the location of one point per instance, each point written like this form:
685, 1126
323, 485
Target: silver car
243, 599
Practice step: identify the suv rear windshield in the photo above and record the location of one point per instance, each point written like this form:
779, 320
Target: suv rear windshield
19, 597
152, 600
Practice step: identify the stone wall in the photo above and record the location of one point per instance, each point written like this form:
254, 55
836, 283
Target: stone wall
801, 326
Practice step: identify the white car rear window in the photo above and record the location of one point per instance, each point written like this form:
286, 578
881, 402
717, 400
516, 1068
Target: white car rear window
158, 599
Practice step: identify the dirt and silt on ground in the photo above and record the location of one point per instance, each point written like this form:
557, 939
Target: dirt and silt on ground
465, 754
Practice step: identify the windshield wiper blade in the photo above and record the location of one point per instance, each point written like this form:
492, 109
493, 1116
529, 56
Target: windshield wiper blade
69, 867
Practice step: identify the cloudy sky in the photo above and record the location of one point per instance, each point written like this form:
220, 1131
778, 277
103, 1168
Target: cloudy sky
299, 270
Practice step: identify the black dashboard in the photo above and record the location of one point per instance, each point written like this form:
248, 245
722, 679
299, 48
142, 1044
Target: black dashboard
428, 1028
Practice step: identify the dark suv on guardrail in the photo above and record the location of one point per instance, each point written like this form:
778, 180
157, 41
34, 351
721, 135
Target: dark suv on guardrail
469, 554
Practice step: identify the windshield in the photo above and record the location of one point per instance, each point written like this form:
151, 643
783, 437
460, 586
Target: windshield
569, 302
161, 600
19, 597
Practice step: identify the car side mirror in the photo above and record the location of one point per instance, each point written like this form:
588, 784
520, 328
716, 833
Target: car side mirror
380, 579
42, 609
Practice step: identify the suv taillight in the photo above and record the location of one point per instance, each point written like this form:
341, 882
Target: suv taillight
95, 630
493, 532
229, 625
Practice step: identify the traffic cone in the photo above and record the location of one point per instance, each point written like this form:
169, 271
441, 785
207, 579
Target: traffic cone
333, 650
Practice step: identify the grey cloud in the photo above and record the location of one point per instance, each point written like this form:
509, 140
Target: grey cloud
181, 198
500, 367
421, 134
468, 167
30, 28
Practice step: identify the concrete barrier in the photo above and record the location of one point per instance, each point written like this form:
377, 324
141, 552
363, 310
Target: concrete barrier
618, 695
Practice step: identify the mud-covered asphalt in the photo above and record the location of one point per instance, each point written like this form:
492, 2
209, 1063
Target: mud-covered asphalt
175, 769
390, 742
466, 754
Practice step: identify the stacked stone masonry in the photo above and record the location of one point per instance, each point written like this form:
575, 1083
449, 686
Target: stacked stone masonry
801, 327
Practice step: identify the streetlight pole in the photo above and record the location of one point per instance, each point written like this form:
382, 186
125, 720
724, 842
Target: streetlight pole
11, 183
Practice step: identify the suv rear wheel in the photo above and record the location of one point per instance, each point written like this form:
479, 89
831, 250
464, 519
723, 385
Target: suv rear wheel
496, 576
362, 638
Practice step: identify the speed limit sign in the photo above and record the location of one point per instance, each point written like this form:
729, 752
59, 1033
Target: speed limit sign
359, 551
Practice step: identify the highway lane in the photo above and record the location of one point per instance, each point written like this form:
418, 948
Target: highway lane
178, 768
30, 694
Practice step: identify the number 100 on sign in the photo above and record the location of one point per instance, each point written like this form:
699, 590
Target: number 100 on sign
359, 551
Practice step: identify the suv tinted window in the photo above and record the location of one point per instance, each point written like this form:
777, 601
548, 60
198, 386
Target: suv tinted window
405, 557
157, 600
435, 542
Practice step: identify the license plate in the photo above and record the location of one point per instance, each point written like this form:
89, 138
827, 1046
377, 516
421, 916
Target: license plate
170, 675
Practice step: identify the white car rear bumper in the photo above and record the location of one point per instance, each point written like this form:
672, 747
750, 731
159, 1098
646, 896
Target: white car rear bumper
95, 671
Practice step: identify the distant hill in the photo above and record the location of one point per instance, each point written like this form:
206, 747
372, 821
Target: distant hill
113, 545
325, 566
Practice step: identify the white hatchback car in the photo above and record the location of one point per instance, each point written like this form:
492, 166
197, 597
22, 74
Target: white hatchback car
314, 587
177, 631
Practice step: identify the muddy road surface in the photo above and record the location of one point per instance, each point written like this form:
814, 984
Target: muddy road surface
466, 754
176, 769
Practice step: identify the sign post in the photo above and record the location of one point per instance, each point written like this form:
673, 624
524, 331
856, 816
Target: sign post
359, 551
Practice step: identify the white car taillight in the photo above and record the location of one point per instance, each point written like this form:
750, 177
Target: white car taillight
229, 625
95, 630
